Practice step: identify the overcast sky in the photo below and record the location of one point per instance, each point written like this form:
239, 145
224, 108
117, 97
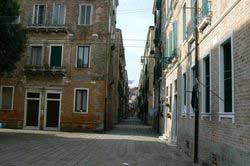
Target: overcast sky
134, 18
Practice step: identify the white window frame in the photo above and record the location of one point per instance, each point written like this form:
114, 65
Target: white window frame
64, 19
203, 88
1, 94
90, 48
74, 104
30, 52
33, 17
50, 46
222, 114
45, 111
184, 107
80, 13
25, 108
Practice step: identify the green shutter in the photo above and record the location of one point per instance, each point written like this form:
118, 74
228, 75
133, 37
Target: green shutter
170, 44
167, 53
175, 36
193, 10
205, 8
184, 22
56, 56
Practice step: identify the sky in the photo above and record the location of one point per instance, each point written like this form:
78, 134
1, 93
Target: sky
133, 18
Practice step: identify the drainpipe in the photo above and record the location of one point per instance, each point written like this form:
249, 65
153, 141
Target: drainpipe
196, 124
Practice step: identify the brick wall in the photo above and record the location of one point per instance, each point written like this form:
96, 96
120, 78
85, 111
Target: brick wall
220, 142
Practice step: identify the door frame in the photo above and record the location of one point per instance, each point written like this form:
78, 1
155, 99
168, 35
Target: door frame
45, 109
25, 109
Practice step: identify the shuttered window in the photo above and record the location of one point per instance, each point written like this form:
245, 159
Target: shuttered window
56, 56
171, 44
184, 17
175, 30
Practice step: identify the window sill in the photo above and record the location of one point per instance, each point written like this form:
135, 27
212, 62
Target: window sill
85, 25
191, 115
5, 110
205, 114
226, 115
83, 113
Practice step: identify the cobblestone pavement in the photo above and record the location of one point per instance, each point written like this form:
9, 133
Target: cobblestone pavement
129, 144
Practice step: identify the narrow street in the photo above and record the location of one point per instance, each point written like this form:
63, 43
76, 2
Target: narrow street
130, 143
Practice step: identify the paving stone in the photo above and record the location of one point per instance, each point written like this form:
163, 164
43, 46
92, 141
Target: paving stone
130, 143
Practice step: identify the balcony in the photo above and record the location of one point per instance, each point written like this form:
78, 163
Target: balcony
45, 70
204, 16
43, 26
191, 31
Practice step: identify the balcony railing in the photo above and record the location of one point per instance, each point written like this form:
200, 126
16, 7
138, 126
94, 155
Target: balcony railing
45, 26
47, 70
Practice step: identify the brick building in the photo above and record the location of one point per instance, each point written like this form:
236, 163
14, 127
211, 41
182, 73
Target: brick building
146, 83
61, 83
223, 29
118, 82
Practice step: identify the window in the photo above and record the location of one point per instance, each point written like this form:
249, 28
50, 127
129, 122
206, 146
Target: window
59, 14
170, 97
85, 15
192, 83
83, 56
7, 95
193, 10
184, 92
207, 84
184, 17
175, 86
171, 44
227, 77
81, 100
56, 53
226, 81
167, 91
36, 56
205, 8
39, 14
175, 30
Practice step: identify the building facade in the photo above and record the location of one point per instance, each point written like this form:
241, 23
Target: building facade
217, 34
147, 79
62, 81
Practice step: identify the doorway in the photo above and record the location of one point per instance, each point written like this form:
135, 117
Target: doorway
52, 110
32, 110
